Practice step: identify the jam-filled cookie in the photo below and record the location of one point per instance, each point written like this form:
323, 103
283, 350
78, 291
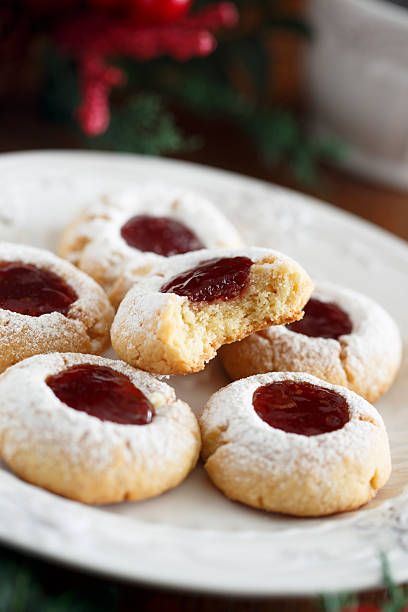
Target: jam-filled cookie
119, 235
46, 304
94, 429
344, 338
174, 320
291, 443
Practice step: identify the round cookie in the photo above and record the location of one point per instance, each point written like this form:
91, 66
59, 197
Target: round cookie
289, 442
344, 338
52, 433
174, 320
124, 233
46, 304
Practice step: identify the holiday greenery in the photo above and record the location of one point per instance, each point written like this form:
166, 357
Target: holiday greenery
395, 599
146, 29
124, 72
28, 585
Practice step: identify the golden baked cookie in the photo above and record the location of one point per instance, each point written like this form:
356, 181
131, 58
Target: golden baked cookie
174, 320
46, 304
289, 442
123, 233
344, 338
94, 429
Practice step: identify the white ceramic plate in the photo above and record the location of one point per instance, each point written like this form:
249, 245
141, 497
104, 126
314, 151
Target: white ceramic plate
193, 537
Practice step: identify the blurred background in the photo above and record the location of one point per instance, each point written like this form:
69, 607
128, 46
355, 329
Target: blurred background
310, 94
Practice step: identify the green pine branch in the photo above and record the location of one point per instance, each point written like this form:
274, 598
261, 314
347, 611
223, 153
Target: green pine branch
141, 119
143, 125
396, 601
277, 134
28, 585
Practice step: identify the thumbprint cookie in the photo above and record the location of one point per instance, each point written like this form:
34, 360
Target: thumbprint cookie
344, 338
288, 442
120, 236
46, 304
93, 429
174, 320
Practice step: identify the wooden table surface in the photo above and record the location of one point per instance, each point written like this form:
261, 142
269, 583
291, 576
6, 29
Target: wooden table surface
382, 205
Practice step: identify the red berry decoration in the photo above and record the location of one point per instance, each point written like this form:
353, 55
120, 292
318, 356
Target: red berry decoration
147, 12
161, 27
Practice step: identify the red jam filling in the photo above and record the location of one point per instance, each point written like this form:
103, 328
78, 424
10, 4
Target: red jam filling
33, 291
102, 392
300, 408
217, 279
159, 235
323, 320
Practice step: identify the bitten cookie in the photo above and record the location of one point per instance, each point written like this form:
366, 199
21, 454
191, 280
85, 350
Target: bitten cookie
174, 320
291, 443
344, 338
46, 304
94, 429
120, 234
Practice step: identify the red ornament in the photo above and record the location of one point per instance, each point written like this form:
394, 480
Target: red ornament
97, 79
92, 38
146, 12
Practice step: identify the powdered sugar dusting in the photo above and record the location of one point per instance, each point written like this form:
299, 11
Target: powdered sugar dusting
95, 243
31, 414
250, 439
90, 310
40, 257
51, 187
143, 303
373, 347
